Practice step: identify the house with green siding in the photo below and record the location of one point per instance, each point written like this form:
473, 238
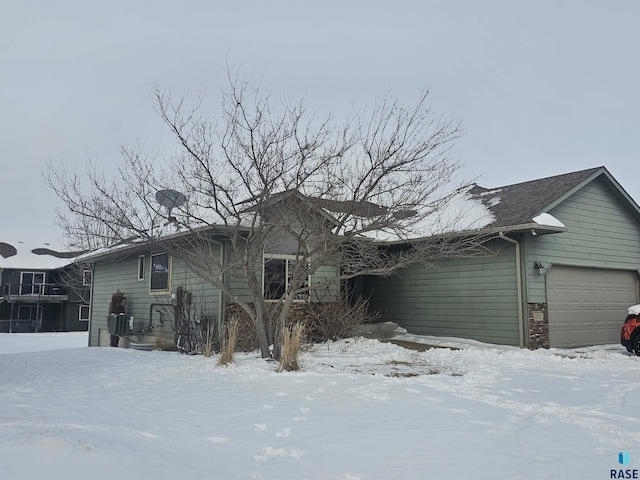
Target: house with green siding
563, 269
149, 278
152, 278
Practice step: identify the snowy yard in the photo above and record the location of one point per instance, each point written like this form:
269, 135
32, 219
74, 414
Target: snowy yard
360, 410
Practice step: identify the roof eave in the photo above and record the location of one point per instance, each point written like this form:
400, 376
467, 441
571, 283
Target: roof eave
523, 228
37, 269
538, 228
128, 248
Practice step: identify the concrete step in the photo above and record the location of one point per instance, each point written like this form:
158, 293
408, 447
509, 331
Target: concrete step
381, 331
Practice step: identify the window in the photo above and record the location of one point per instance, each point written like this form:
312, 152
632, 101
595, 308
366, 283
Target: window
86, 277
29, 312
275, 278
83, 313
141, 268
159, 272
277, 275
32, 283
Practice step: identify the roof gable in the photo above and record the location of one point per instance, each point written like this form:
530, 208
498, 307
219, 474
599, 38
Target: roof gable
518, 204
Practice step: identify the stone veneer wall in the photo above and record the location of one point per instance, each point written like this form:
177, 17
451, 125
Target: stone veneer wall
538, 320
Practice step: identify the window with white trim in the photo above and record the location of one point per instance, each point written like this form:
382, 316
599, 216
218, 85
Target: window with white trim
141, 268
277, 276
83, 313
160, 272
86, 277
32, 283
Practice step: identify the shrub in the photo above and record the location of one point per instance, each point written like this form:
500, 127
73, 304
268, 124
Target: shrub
118, 303
336, 320
322, 321
117, 306
246, 336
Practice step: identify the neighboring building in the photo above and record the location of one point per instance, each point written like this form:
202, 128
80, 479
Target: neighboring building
561, 269
565, 269
41, 290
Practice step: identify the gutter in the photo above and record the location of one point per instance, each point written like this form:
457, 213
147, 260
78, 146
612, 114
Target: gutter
129, 246
518, 286
520, 228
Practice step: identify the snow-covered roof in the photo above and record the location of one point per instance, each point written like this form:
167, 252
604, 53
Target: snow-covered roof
509, 208
548, 220
113, 249
634, 310
518, 204
462, 213
32, 254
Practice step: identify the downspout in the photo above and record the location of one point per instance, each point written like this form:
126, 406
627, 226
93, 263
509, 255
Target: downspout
220, 294
91, 305
221, 300
518, 287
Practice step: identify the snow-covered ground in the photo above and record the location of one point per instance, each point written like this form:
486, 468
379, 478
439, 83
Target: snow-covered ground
361, 409
28, 342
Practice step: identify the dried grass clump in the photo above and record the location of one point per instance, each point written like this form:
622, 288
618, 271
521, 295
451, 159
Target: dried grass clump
208, 347
164, 345
292, 341
228, 347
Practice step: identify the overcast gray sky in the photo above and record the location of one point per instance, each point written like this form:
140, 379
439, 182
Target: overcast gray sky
543, 87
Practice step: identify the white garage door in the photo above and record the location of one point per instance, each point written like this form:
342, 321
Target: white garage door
587, 306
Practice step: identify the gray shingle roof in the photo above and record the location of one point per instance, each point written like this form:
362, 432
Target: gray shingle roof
359, 208
512, 206
517, 204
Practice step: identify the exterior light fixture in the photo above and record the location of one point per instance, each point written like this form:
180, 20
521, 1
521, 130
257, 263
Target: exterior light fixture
539, 268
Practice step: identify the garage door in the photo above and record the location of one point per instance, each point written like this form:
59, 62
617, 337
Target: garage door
588, 305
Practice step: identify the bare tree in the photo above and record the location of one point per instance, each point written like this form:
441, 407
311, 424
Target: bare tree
366, 196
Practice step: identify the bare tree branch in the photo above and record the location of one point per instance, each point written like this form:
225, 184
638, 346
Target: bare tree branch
267, 171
